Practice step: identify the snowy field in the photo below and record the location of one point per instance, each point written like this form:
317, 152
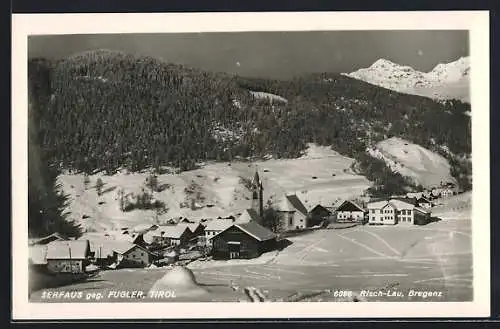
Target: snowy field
321, 175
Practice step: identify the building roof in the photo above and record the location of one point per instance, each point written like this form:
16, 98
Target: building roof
166, 231
218, 224
248, 215
74, 249
416, 195
422, 210
377, 204
257, 231
191, 226
38, 254
412, 201
292, 203
401, 205
423, 199
253, 229
47, 239
349, 206
320, 207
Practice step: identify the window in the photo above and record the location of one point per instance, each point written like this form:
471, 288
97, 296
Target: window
142, 254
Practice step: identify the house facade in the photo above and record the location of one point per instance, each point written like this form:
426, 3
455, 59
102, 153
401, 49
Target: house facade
292, 213
348, 211
424, 203
169, 235
68, 256
381, 213
132, 256
244, 240
394, 212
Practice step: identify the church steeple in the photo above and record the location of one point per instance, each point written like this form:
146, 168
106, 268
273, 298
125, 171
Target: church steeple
257, 195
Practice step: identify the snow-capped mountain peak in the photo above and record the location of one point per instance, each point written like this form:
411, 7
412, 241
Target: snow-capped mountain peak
445, 81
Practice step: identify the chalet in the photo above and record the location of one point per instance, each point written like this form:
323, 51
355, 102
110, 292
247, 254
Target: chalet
447, 192
131, 255
381, 213
123, 253
348, 211
47, 239
424, 203
318, 214
292, 213
214, 227
394, 212
170, 235
243, 240
68, 256
196, 230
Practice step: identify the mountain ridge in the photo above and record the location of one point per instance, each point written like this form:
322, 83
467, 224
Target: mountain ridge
444, 81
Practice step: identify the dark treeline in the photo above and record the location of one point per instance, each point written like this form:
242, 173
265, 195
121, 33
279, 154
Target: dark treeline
103, 110
46, 202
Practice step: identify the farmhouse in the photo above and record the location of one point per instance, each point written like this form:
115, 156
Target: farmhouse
447, 192
68, 256
292, 213
382, 213
424, 203
243, 240
196, 230
214, 227
131, 255
171, 235
396, 211
348, 211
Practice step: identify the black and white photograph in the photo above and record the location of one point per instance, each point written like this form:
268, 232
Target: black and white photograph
285, 166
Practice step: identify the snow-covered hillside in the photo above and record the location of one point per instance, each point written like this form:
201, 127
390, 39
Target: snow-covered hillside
214, 190
423, 166
270, 97
445, 81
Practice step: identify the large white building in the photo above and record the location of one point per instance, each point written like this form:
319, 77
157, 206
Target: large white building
394, 212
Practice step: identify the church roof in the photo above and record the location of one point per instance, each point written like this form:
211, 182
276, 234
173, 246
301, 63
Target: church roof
292, 203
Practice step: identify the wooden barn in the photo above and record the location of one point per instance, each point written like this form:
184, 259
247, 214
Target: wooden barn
318, 214
68, 256
243, 240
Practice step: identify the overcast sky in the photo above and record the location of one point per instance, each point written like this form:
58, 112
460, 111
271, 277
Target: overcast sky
272, 54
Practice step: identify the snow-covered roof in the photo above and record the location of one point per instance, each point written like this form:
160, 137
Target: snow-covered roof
348, 205
74, 249
191, 226
218, 224
257, 231
291, 203
248, 215
401, 205
377, 204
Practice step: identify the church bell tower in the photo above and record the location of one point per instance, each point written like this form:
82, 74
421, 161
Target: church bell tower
257, 195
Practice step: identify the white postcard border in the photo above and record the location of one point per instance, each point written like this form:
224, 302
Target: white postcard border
477, 22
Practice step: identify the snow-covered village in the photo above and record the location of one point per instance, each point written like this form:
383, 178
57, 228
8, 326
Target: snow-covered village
169, 182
